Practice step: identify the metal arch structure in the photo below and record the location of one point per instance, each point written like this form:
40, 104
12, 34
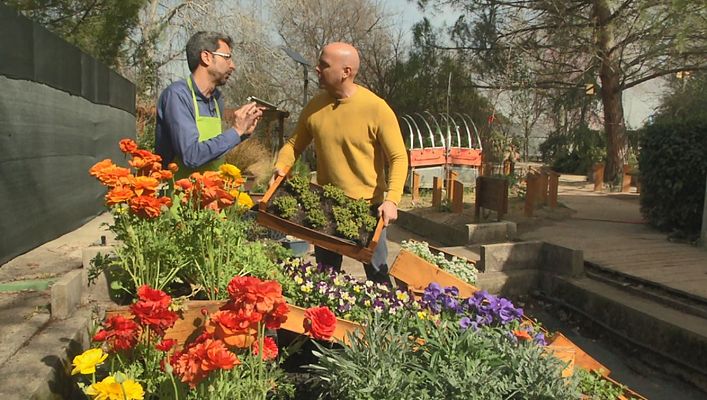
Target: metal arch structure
423, 156
426, 127
460, 149
412, 131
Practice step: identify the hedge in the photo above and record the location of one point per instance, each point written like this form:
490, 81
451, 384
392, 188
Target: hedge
673, 165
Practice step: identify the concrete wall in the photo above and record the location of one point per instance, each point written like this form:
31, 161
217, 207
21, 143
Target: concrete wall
60, 112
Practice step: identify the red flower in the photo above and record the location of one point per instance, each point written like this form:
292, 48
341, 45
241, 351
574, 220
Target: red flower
121, 333
277, 316
270, 347
100, 336
237, 328
195, 363
166, 345
152, 309
153, 297
319, 322
127, 145
250, 292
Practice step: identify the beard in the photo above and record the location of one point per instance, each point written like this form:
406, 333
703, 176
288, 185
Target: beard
223, 79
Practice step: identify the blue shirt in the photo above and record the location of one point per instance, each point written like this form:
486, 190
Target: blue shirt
176, 134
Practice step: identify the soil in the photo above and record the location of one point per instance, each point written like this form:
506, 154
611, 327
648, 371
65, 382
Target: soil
364, 237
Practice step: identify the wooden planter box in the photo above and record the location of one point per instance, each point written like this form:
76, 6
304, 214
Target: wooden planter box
332, 243
189, 326
417, 274
582, 359
295, 323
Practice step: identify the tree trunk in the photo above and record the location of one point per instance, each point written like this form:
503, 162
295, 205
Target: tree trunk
611, 94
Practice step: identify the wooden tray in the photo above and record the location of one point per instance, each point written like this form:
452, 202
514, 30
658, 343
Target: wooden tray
332, 243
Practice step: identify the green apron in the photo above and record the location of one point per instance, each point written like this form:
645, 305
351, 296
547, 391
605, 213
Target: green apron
208, 127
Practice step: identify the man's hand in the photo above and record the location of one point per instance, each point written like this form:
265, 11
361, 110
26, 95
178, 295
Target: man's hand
277, 173
389, 211
246, 118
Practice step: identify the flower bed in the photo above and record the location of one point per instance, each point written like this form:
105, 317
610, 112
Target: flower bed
446, 342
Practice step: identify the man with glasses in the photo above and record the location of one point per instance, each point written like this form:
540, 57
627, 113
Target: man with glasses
188, 130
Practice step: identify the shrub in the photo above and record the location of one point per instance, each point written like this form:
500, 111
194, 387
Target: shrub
575, 152
388, 362
673, 168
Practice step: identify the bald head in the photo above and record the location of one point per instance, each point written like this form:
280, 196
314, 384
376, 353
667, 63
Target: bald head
345, 55
337, 68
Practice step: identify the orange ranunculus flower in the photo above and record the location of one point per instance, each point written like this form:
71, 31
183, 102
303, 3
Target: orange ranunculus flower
108, 173
269, 346
99, 166
144, 159
522, 335
146, 206
236, 327
127, 145
173, 167
165, 174
195, 363
184, 184
145, 185
119, 194
320, 322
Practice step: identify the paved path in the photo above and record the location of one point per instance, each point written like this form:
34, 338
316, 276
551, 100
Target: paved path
610, 230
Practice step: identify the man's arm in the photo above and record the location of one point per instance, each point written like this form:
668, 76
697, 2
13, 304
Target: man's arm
180, 122
391, 140
295, 145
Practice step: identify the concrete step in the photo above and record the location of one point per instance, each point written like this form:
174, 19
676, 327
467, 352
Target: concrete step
679, 300
677, 339
40, 368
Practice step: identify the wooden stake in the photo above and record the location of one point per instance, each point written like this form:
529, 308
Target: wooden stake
436, 192
415, 187
458, 198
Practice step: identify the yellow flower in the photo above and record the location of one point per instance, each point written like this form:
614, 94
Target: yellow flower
422, 315
306, 289
402, 296
244, 200
230, 171
110, 389
86, 362
298, 280
357, 289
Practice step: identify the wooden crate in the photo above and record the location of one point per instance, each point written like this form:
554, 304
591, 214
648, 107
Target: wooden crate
417, 274
332, 243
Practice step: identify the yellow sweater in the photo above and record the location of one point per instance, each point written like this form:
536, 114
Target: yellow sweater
353, 139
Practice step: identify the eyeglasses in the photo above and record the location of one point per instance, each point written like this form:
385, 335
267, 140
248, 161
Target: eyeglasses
226, 56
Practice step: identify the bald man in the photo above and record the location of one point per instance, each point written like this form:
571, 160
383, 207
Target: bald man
355, 134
